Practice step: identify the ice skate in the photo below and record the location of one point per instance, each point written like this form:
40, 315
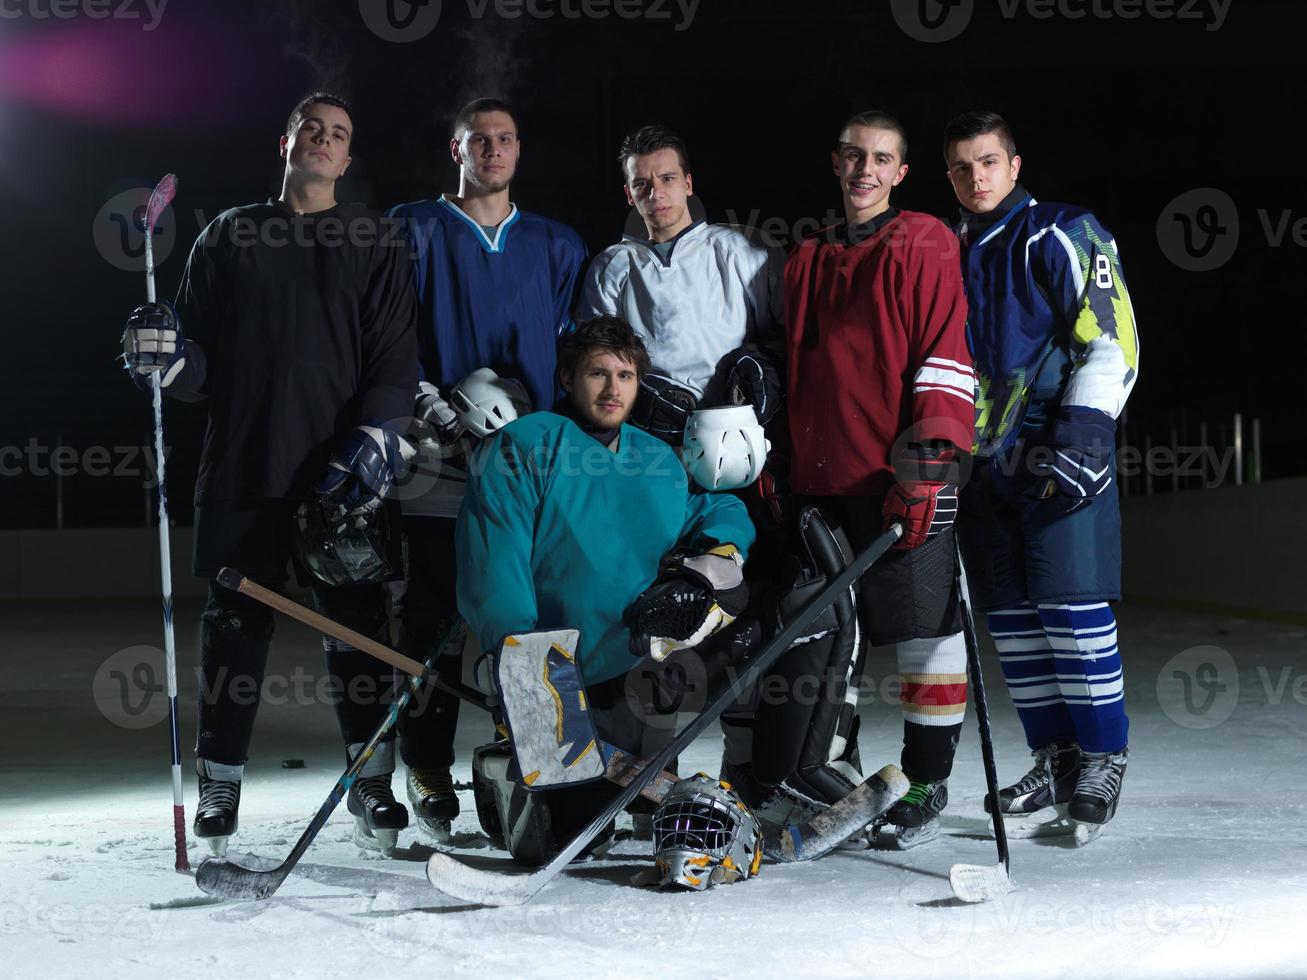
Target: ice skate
1097, 793
915, 818
434, 802
1036, 805
378, 816
220, 797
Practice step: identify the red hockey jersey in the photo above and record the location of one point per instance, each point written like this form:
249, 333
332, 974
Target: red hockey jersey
877, 353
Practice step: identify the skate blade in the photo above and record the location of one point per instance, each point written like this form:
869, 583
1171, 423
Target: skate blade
218, 845
1048, 822
439, 831
1087, 833
906, 838
375, 839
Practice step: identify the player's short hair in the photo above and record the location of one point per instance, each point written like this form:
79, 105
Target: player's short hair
877, 119
603, 333
463, 121
651, 139
979, 122
316, 98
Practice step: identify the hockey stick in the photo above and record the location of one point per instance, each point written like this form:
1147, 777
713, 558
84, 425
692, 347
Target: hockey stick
981, 882
159, 200
218, 876
451, 876
229, 578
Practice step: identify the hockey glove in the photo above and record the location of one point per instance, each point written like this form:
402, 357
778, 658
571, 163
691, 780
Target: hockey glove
364, 468
436, 426
694, 596
753, 381
153, 342
1081, 465
924, 498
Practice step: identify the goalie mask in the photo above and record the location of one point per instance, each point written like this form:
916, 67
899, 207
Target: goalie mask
340, 548
704, 835
485, 402
724, 448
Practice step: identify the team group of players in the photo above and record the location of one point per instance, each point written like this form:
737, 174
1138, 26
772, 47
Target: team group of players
459, 371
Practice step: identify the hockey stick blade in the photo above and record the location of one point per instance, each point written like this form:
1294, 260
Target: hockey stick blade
162, 196
447, 874
979, 882
831, 828
218, 876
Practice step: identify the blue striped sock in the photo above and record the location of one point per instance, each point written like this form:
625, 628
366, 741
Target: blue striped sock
1083, 638
1028, 668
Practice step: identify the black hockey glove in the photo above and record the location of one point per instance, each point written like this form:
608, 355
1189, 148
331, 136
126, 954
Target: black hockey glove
1081, 467
753, 380
694, 596
153, 342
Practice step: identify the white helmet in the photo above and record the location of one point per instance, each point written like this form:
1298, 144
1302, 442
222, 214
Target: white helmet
485, 402
724, 448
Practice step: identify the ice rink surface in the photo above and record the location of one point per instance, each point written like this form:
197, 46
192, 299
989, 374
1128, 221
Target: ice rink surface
1203, 873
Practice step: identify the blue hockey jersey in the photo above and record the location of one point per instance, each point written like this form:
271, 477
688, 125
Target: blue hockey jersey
499, 303
1049, 320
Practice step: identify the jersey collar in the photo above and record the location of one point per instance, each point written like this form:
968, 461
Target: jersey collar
495, 244
665, 262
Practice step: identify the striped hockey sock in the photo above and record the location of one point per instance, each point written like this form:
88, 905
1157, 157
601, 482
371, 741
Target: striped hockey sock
934, 701
1083, 638
1031, 674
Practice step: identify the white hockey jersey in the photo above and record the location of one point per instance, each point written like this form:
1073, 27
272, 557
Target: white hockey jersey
714, 291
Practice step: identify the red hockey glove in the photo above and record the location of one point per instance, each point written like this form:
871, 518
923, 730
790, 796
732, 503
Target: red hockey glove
925, 497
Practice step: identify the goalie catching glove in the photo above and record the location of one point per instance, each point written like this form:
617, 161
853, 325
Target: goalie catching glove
694, 596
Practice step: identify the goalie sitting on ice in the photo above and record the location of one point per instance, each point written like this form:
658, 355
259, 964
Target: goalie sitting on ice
576, 521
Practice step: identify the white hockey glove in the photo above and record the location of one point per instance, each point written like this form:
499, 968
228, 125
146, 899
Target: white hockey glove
436, 426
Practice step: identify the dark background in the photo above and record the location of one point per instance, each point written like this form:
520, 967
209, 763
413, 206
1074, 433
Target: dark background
1119, 115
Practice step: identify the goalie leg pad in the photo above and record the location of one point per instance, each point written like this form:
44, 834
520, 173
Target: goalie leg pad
806, 707
547, 709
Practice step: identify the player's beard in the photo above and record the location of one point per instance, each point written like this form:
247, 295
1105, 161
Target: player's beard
485, 186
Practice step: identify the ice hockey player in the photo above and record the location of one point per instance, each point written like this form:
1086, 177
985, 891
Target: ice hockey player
496, 286
707, 302
576, 519
1056, 353
705, 299
880, 395
294, 323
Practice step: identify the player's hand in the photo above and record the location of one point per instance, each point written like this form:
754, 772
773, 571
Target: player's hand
693, 597
754, 381
924, 497
153, 343
1079, 464
365, 467
436, 426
